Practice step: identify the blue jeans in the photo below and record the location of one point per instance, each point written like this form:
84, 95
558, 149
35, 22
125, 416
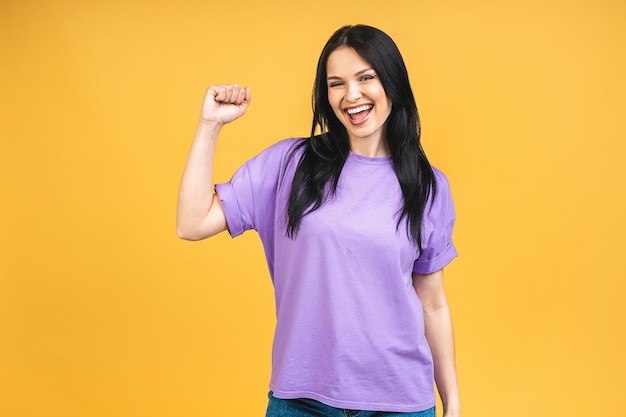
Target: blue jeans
304, 407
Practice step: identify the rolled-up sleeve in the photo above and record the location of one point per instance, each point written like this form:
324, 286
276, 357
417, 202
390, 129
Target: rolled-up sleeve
237, 201
249, 198
437, 247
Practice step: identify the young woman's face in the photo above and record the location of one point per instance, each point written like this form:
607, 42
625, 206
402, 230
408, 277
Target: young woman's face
357, 97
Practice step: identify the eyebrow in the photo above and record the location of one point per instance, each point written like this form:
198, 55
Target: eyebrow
335, 77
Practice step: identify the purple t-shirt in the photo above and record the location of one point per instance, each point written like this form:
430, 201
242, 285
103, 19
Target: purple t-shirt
350, 327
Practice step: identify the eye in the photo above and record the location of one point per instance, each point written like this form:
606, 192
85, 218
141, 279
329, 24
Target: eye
335, 84
366, 78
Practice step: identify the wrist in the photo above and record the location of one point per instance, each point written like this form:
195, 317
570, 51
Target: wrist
210, 124
452, 410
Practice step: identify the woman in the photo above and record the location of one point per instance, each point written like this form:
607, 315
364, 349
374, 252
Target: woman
356, 227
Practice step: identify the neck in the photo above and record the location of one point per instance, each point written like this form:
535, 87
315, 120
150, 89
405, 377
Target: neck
369, 148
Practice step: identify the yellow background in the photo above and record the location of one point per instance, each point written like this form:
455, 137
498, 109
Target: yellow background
104, 312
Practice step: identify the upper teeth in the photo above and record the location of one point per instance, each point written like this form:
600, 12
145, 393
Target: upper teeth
359, 109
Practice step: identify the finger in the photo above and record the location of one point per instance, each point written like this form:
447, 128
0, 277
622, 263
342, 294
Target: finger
216, 91
240, 96
229, 93
248, 96
225, 95
233, 92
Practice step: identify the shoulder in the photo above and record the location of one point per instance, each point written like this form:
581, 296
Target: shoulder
277, 153
440, 178
285, 146
442, 198
280, 153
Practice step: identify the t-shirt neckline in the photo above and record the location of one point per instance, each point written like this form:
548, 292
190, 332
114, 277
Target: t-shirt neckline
369, 160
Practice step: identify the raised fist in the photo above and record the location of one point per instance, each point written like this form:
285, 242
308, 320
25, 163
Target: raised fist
224, 103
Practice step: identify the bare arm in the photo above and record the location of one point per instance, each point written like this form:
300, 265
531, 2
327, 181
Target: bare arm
440, 336
200, 213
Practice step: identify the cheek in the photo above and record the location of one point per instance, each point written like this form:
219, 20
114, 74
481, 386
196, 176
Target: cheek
383, 96
332, 97
384, 99
334, 102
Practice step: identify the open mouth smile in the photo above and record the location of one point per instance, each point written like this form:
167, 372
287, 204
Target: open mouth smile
355, 110
359, 114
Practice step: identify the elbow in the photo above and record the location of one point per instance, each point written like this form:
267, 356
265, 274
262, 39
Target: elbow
194, 233
182, 234
187, 233
189, 228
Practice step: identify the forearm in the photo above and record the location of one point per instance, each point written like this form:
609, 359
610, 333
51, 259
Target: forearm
440, 335
195, 194
200, 214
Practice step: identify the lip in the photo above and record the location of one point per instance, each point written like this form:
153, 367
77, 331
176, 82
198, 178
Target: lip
360, 120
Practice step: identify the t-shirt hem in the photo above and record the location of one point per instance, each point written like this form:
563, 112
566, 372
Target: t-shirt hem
352, 405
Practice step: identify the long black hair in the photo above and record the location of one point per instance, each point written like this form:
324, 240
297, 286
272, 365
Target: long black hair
317, 174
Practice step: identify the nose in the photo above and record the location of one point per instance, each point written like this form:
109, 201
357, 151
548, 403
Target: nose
354, 91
